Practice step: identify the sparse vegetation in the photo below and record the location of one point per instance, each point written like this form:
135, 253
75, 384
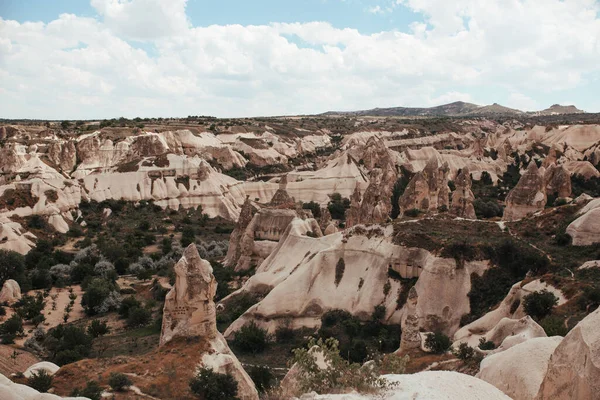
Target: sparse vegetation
437, 343
210, 385
40, 381
539, 304
119, 382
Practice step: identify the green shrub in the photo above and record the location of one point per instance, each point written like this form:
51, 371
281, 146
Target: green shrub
92, 391
40, 381
210, 385
412, 213
127, 304
96, 292
337, 206
554, 326
119, 382
12, 326
138, 317
590, 298
314, 207
464, 352
340, 267
12, 266
539, 304
485, 344
251, 339
98, 328
262, 377
485, 209
437, 343
67, 344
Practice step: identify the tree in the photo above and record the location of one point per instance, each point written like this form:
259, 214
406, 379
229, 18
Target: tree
251, 339
314, 207
464, 352
337, 206
97, 328
262, 377
210, 385
65, 125
40, 381
92, 391
128, 303
12, 266
119, 382
96, 292
539, 304
138, 317
437, 343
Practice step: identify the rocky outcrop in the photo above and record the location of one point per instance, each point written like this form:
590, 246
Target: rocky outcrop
189, 312
411, 336
63, 155
299, 278
528, 196
507, 325
49, 367
585, 230
189, 309
14, 237
429, 385
428, 190
236, 239
558, 181
16, 391
375, 206
520, 370
11, 291
462, 197
574, 367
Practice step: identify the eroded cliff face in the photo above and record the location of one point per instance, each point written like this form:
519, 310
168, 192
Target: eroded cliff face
529, 196
302, 279
428, 190
462, 197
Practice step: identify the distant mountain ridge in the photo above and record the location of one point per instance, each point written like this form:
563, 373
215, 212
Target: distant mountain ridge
457, 109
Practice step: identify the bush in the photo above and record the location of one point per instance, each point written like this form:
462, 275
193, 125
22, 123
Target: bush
563, 239
127, 304
539, 304
96, 292
251, 339
210, 385
340, 267
413, 212
464, 352
485, 344
92, 391
314, 207
337, 206
119, 382
262, 377
487, 209
339, 373
554, 326
40, 381
437, 343
138, 317
12, 326
67, 344
12, 266
98, 328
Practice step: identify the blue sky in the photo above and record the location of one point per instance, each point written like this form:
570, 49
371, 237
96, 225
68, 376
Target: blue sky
109, 58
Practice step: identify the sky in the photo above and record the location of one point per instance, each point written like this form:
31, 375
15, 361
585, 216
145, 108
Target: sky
80, 59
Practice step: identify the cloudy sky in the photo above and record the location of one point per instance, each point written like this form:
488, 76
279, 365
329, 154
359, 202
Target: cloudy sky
75, 59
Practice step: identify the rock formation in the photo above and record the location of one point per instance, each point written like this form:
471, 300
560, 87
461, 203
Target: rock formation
462, 197
11, 291
428, 190
430, 385
235, 250
49, 367
558, 181
585, 230
574, 367
520, 370
189, 312
411, 337
16, 391
528, 196
299, 279
375, 206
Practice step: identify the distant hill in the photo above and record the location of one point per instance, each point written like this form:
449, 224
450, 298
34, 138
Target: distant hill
557, 109
456, 109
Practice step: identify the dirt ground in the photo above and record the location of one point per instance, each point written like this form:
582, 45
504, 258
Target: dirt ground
14, 360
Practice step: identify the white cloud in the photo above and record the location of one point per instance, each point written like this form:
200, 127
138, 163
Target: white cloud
144, 19
59, 69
